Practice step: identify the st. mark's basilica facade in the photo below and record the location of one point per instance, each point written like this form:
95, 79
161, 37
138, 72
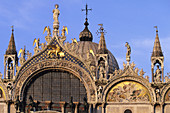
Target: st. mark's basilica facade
80, 77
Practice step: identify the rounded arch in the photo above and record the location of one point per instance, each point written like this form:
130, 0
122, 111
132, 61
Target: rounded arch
4, 92
48, 69
165, 90
137, 79
127, 111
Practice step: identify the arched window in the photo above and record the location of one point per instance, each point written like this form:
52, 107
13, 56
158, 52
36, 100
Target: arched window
0, 93
128, 111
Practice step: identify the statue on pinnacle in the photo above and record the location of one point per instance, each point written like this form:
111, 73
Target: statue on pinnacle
56, 13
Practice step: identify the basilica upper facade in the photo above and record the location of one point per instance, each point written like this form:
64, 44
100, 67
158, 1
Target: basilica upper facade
80, 77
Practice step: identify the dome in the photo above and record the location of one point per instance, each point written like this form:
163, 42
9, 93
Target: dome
86, 35
83, 48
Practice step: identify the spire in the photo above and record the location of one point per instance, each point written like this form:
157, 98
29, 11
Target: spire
11, 47
157, 51
86, 35
102, 44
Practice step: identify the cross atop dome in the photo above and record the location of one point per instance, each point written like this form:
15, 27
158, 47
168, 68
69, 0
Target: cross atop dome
86, 9
86, 35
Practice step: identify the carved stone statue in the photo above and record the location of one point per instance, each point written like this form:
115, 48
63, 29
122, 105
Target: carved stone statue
10, 88
29, 55
102, 73
99, 91
128, 52
56, 13
157, 75
157, 94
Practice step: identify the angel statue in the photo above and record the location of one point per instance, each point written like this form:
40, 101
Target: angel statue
64, 30
63, 37
128, 52
56, 13
74, 41
22, 53
36, 49
48, 30
48, 37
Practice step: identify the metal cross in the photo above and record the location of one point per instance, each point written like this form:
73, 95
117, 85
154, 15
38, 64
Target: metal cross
101, 30
86, 10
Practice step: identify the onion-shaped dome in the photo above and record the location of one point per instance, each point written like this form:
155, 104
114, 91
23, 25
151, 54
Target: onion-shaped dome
86, 35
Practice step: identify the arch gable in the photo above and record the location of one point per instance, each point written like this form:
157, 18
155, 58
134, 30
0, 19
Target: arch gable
44, 56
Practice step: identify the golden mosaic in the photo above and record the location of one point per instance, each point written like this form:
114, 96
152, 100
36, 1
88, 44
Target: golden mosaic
128, 91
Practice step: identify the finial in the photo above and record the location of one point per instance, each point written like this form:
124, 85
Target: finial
12, 28
156, 29
86, 9
101, 29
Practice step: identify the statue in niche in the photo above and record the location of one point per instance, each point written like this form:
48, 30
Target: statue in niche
10, 70
99, 91
56, 13
102, 73
157, 74
157, 94
10, 88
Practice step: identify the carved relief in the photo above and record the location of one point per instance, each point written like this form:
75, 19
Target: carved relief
128, 91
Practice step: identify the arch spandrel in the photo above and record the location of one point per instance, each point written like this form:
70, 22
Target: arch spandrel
56, 64
128, 91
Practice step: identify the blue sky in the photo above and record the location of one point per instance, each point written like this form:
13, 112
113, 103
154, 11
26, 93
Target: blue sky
130, 21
